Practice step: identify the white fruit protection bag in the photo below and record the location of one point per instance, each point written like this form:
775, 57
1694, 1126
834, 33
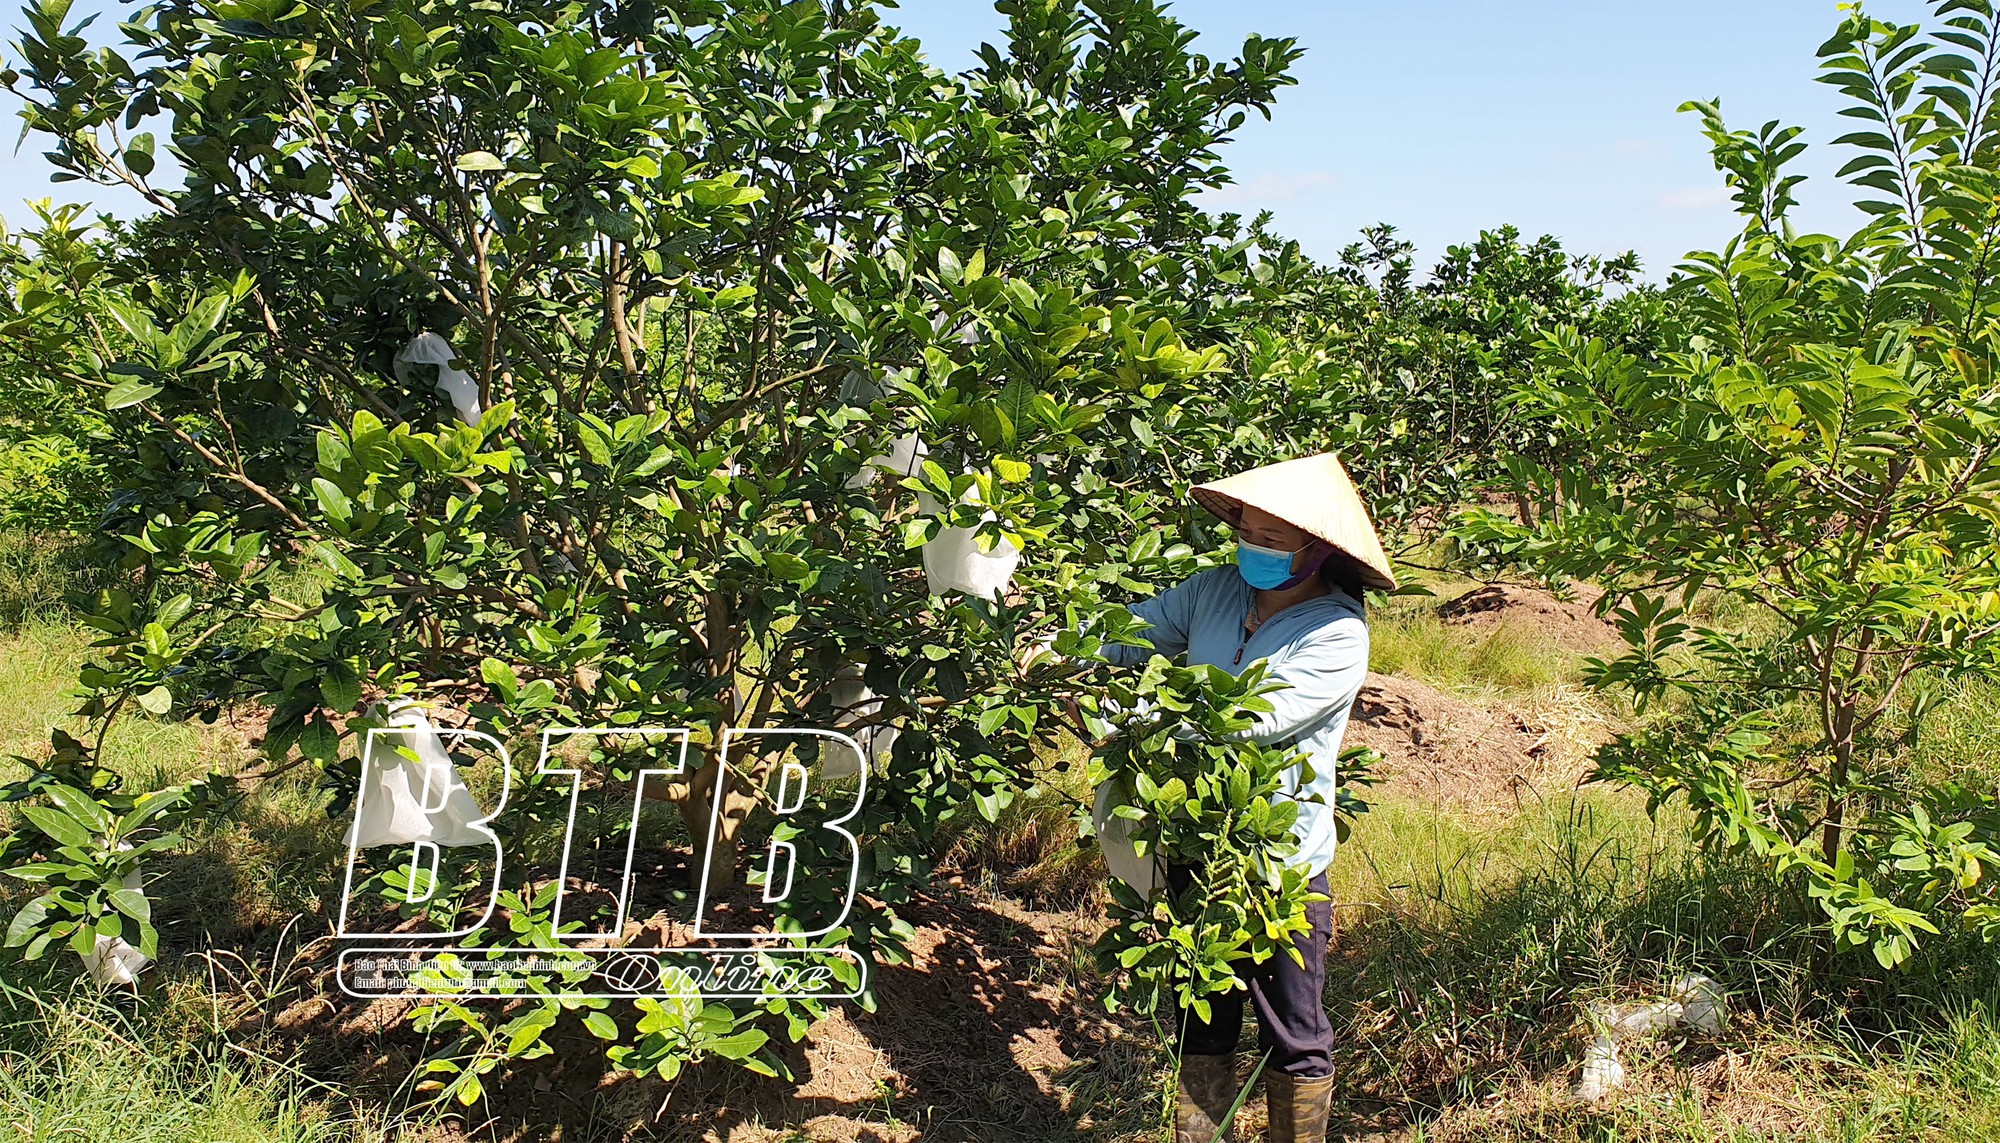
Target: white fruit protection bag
952, 560
458, 386
404, 800
1114, 838
853, 701
112, 960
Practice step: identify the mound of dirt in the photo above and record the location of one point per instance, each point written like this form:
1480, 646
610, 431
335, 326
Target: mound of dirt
1569, 624
986, 1034
1456, 753
989, 1033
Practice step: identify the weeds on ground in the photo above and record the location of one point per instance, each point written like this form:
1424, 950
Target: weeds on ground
1031, 849
1406, 637
1459, 983
39, 571
80, 1066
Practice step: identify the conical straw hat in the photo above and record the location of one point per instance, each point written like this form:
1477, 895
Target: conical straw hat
1312, 493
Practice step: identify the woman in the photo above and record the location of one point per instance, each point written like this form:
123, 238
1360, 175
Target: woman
1305, 552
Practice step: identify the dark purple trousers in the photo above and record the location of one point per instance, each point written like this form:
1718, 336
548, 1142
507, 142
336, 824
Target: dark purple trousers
1290, 1000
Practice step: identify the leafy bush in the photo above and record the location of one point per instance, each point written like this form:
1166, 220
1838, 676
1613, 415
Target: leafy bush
51, 287
1207, 800
1821, 448
1408, 379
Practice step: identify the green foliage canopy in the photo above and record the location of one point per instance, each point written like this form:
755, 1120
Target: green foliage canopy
702, 261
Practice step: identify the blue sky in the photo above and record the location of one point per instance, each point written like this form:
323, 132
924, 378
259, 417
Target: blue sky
1443, 117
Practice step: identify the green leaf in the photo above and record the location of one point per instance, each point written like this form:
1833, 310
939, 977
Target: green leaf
79, 806
151, 804
722, 192
596, 443
991, 718
133, 904
340, 687
134, 321
787, 566
502, 678
641, 167
1016, 405
200, 321
332, 499
44, 870
174, 610
990, 804
65, 829
373, 445
139, 154
739, 1046
480, 161
27, 922
320, 740
129, 392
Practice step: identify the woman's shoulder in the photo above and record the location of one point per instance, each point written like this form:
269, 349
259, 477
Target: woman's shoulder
1335, 608
1346, 602
1211, 581
1200, 592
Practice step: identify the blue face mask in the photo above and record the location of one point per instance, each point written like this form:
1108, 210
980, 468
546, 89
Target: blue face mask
1261, 566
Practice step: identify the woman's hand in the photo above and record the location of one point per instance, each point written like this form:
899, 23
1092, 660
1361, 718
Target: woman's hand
1075, 715
1043, 650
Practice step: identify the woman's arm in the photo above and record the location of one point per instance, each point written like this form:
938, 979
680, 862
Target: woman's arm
1169, 615
1325, 671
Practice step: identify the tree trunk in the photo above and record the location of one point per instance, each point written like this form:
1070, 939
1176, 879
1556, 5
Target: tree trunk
717, 853
1842, 743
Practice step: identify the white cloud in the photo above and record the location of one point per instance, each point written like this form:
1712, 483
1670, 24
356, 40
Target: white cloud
1276, 186
1694, 198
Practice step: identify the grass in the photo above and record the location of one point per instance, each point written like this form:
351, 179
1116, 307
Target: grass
1959, 739
1406, 637
37, 572
77, 1067
37, 664
1459, 991
1030, 851
43, 644
1946, 1085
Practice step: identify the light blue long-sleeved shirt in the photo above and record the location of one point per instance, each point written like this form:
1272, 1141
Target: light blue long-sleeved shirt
1319, 646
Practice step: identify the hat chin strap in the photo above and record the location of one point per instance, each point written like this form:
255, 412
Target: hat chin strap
1321, 552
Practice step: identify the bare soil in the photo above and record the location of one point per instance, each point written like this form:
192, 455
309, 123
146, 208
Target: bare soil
983, 1035
1570, 624
1459, 755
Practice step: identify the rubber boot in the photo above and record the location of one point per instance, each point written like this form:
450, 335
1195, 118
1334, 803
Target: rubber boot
1201, 1106
1299, 1106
